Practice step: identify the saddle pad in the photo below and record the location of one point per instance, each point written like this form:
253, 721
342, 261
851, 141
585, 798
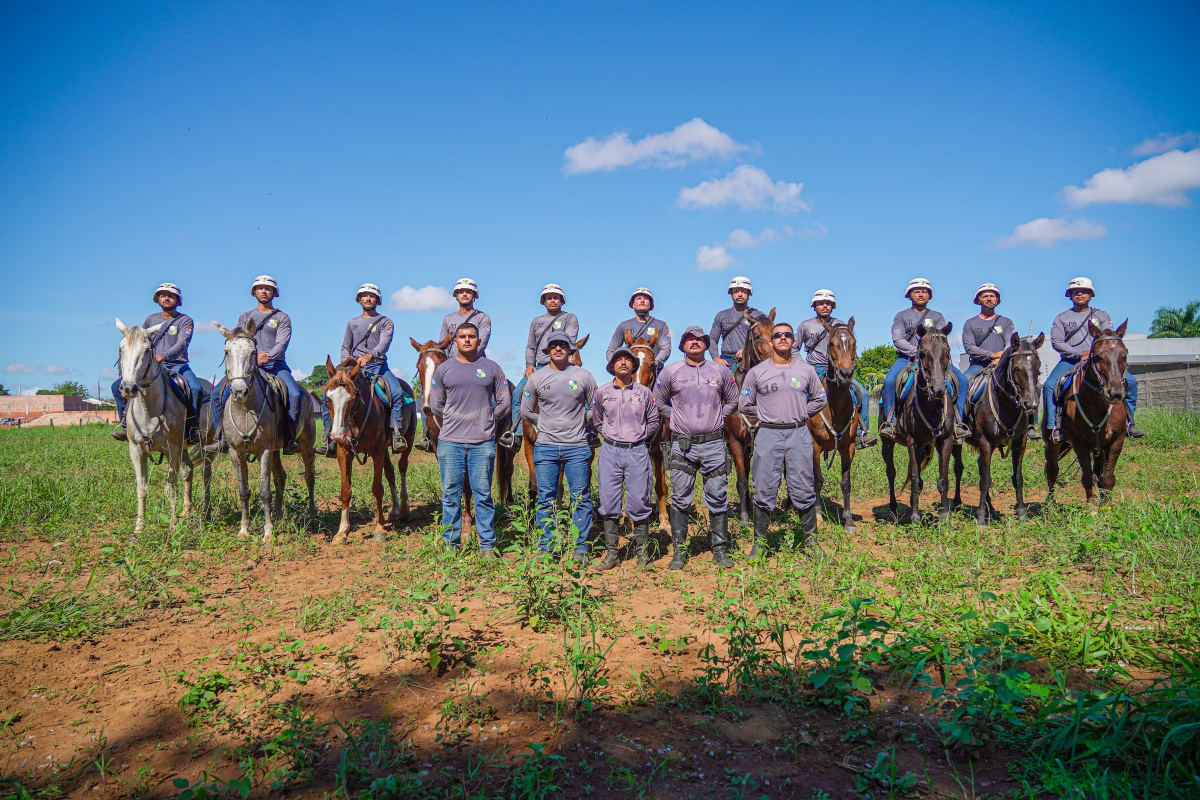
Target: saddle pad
976, 385
1064, 384
905, 384
382, 390
276, 386
180, 387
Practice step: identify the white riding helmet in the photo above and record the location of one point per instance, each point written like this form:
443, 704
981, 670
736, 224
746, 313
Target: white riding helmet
918, 283
264, 280
552, 288
740, 282
466, 283
369, 288
824, 294
169, 288
987, 287
1080, 283
645, 291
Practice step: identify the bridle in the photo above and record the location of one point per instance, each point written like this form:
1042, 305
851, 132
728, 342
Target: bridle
1082, 377
253, 378
994, 385
837, 376
923, 376
144, 379
352, 386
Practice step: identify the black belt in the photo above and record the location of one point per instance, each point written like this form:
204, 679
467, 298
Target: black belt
623, 445
782, 426
686, 442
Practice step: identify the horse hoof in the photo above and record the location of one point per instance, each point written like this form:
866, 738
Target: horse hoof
341, 537
243, 534
266, 540
379, 537
850, 527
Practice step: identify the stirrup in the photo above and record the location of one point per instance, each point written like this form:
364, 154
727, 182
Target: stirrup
1056, 435
507, 439
1133, 431
399, 443
119, 434
887, 429
865, 440
1034, 433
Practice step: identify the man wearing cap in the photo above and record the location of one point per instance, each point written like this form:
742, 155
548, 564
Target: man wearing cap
466, 292
1072, 340
468, 395
563, 394
985, 336
170, 343
697, 395
554, 321
273, 331
906, 340
813, 336
626, 417
782, 393
730, 328
643, 326
367, 339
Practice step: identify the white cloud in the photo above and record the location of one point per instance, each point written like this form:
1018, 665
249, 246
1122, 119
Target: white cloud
713, 259
692, 141
108, 374
427, 298
55, 369
20, 368
1046, 232
1161, 181
300, 374
29, 391
205, 327
747, 187
1164, 142
716, 257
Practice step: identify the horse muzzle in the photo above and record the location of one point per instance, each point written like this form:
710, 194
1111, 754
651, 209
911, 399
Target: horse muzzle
129, 390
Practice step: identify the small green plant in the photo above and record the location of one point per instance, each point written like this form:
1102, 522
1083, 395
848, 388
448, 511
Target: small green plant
884, 774
203, 695
369, 765
533, 778
850, 640
459, 712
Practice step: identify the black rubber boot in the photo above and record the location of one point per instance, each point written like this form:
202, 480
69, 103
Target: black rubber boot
679, 527
720, 540
399, 443
641, 530
762, 518
808, 529
119, 434
328, 448
1133, 431
612, 542
1034, 433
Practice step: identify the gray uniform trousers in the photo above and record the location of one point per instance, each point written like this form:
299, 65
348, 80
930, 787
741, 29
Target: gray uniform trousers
773, 448
708, 459
627, 467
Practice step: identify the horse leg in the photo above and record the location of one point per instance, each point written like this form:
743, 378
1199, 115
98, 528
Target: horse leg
660, 485
887, 448
914, 482
185, 470
737, 451
982, 514
280, 478
527, 449
377, 487
171, 485
1086, 474
267, 461
944, 455
818, 481
958, 471
346, 468
847, 454
1051, 469
1017, 451
138, 457
310, 477
389, 472
243, 470
403, 465
1108, 475
206, 476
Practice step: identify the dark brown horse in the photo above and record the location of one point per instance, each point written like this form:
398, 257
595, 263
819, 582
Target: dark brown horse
1002, 415
529, 432
646, 376
1093, 415
359, 426
739, 429
834, 428
925, 425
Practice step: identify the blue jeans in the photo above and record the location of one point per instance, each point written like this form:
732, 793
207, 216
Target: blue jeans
888, 399
861, 395
516, 400
549, 462
457, 462
278, 368
174, 366
974, 370
1062, 368
399, 399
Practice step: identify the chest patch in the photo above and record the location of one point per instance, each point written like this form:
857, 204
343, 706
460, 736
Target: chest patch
557, 324
572, 385
928, 323
480, 373
998, 328
171, 331
273, 323
651, 331
796, 383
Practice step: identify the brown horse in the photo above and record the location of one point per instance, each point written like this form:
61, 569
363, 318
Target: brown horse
739, 429
834, 428
430, 356
1002, 415
359, 426
925, 424
1093, 415
646, 376
529, 432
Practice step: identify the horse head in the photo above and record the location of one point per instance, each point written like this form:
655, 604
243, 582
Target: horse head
643, 348
758, 342
135, 357
241, 359
429, 357
933, 359
842, 352
341, 393
1107, 361
577, 356
1022, 364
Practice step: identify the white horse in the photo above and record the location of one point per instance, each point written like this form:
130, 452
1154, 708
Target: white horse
154, 422
252, 429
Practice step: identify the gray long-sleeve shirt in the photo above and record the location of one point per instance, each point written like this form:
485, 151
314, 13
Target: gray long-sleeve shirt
367, 335
540, 330
625, 414
696, 398
782, 395
729, 331
1070, 335
812, 336
469, 398
172, 339
564, 398
643, 330
477, 318
904, 329
273, 337
982, 337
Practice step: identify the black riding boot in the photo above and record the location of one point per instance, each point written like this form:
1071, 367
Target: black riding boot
612, 542
808, 530
679, 528
720, 539
762, 518
399, 443
641, 530
327, 448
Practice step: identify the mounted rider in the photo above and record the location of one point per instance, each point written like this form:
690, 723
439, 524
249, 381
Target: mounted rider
730, 328
273, 331
367, 339
554, 321
466, 292
906, 340
985, 338
170, 344
643, 326
813, 336
1072, 340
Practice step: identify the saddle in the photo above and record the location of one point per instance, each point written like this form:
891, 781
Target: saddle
908, 378
1064, 384
977, 384
183, 392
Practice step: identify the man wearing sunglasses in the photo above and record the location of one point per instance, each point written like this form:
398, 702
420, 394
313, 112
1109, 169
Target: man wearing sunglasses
782, 393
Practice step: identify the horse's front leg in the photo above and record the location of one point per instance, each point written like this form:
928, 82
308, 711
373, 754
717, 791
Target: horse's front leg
1051, 467
982, 515
377, 489
1108, 475
887, 449
346, 468
847, 457
818, 480
1086, 471
266, 461
914, 483
186, 470
958, 471
1017, 451
389, 472
660, 485
280, 475
741, 460
137, 456
172, 482
206, 477
944, 455
243, 470
403, 466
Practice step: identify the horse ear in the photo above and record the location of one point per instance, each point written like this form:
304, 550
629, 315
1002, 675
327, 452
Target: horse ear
444, 343
629, 337
579, 343
1041, 338
850, 324
1120, 331
329, 366
921, 331
224, 331
156, 328
1015, 340
1093, 330
121, 326
354, 370
251, 326
653, 340
949, 326
416, 345
771, 316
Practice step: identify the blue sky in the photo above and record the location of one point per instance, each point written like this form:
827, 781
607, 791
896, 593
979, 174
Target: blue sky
410, 145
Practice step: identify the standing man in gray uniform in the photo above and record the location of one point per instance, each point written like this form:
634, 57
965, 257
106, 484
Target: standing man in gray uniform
815, 339
730, 328
643, 326
554, 321
625, 415
170, 343
697, 395
367, 339
564, 393
1072, 340
468, 395
985, 336
782, 394
466, 292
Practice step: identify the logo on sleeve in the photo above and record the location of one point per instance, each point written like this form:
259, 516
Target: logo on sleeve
572, 385
480, 373
745, 392
526, 393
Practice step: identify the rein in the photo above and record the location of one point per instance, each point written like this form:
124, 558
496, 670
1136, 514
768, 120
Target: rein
359, 396
994, 386
148, 436
936, 431
254, 379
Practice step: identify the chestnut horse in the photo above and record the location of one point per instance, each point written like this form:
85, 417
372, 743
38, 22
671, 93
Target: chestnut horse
646, 376
529, 432
1093, 414
834, 429
739, 429
359, 426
